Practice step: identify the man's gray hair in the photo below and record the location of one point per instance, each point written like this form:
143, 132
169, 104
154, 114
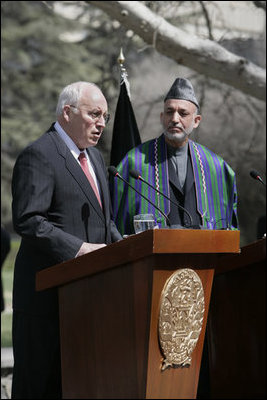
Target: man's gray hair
71, 94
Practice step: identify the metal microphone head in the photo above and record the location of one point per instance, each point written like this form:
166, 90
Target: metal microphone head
135, 174
112, 170
254, 174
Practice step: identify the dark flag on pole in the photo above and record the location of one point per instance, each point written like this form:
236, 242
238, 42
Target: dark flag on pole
125, 130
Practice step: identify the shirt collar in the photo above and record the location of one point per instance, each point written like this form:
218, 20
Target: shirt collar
177, 151
67, 140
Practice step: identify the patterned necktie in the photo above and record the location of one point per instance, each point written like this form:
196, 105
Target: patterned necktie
83, 160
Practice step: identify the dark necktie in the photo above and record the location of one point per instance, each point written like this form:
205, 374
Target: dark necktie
83, 160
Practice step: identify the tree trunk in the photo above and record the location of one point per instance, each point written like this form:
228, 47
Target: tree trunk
202, 55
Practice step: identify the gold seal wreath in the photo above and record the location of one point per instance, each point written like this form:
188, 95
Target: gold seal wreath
180, 317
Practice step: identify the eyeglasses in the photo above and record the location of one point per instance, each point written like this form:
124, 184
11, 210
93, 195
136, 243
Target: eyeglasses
95, 115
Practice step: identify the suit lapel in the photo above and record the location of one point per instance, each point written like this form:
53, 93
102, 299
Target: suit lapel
173, 177
101, 178
77, 173
189, 176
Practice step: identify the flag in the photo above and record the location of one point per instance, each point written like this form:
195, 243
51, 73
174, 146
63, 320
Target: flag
125, 130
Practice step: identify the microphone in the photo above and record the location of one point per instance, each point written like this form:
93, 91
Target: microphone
115, 173
254, 174
135, 174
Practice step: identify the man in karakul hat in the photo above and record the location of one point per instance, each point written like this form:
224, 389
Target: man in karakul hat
191, 175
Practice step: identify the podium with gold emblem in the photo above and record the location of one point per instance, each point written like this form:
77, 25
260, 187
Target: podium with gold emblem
133, 315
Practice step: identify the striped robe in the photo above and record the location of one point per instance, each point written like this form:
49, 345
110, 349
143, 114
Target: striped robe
215, 185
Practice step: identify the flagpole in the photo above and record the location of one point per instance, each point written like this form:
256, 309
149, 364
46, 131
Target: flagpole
125, 130
121, 59
123, 72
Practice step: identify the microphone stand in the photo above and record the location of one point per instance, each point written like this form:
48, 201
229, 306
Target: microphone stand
116, 174
137, 176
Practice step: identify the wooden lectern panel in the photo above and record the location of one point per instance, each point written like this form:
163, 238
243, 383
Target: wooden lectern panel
137, 247
237, 325
104, 334
178, 382
109, 310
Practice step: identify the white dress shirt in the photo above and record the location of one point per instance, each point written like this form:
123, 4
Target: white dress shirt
75, 151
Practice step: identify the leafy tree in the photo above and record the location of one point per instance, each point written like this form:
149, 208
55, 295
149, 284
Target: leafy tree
202, 55
37, 62
41, 53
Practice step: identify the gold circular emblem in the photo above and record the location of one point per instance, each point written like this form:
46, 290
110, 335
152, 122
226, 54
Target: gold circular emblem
180, 317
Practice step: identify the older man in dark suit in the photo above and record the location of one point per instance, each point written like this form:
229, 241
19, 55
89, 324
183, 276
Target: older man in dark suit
61, 210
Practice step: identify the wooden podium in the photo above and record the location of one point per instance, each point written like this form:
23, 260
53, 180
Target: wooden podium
109, 310
236, 329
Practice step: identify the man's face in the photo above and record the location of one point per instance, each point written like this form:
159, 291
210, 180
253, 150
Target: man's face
178, 119
86, 121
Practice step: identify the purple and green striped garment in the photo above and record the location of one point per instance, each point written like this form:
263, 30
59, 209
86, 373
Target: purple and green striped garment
214, 181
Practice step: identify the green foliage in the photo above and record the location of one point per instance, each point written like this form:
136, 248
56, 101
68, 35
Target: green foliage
6, 327
7, 281
36, 64
10, 259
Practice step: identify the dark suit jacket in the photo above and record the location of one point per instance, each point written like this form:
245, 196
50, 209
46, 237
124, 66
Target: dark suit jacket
185, 196
54, 211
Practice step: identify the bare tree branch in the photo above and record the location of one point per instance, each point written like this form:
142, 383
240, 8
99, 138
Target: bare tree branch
207, 18
260, 4
204, 56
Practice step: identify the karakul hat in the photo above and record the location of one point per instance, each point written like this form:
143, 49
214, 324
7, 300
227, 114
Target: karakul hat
182, 89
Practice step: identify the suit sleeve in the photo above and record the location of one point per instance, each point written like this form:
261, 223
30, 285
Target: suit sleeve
32, 191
